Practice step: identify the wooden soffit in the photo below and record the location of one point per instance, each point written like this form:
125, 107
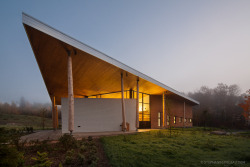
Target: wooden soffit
93, 72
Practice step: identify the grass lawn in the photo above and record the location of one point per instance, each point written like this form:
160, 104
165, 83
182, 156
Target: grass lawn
18, 121
188, 147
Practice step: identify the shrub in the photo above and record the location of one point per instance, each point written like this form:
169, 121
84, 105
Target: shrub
42, 160
15, 137
29, 129
83, 148
93, 149
92, 159
83, 141
81, 158
69, 157
42, 146
68, 142
90, 138
9, 156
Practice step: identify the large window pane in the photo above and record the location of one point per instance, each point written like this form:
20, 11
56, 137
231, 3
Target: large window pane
145, 98
140, 97
140, 115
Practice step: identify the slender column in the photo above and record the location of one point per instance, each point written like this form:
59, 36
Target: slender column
184, 114
163, 110
123, 106
130, 94
70, 94
142, 100
137, 106
53, 113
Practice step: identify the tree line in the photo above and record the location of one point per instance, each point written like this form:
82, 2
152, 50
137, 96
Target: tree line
219, 106
24, 107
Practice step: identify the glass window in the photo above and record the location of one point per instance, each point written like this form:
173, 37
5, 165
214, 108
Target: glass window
180, 119
135, 94
174, 119
140, 107
140, 115
185, 120
145, 107
159, 119
146, 112
145, 98
190, 120
168, 119
146, 116
140, 97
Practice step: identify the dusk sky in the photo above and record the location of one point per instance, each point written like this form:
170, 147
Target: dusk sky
182, 43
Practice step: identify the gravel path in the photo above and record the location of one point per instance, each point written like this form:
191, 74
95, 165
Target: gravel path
55, 135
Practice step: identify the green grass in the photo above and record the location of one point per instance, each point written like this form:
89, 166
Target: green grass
20, 121
188, 147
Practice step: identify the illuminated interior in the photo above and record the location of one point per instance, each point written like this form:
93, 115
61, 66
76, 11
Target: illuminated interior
116, 95
144, 106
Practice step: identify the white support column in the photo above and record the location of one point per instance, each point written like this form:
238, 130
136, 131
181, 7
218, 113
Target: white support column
137, 106
184, 114
70, 94
123, 106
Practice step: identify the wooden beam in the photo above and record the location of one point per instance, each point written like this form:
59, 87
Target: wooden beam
123, 106
137, 105
70, 94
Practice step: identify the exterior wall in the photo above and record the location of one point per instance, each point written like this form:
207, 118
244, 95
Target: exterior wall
176, 107
99, 115
177, 110
189, 114
155, 107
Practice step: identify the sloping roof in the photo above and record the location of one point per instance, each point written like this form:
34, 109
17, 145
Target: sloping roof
93, 71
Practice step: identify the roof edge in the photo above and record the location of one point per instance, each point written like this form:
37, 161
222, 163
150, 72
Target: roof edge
33, 22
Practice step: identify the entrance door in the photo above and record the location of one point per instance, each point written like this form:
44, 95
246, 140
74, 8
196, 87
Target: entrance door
144, 111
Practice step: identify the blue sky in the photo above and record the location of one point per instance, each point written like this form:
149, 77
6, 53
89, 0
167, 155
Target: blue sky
184, 43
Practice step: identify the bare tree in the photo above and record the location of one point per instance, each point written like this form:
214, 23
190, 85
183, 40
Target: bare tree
43, 112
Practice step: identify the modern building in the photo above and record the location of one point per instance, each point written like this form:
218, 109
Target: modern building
98, 93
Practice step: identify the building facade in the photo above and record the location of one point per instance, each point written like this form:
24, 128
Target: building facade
99, 93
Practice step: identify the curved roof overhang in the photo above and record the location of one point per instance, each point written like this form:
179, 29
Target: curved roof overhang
93, 72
